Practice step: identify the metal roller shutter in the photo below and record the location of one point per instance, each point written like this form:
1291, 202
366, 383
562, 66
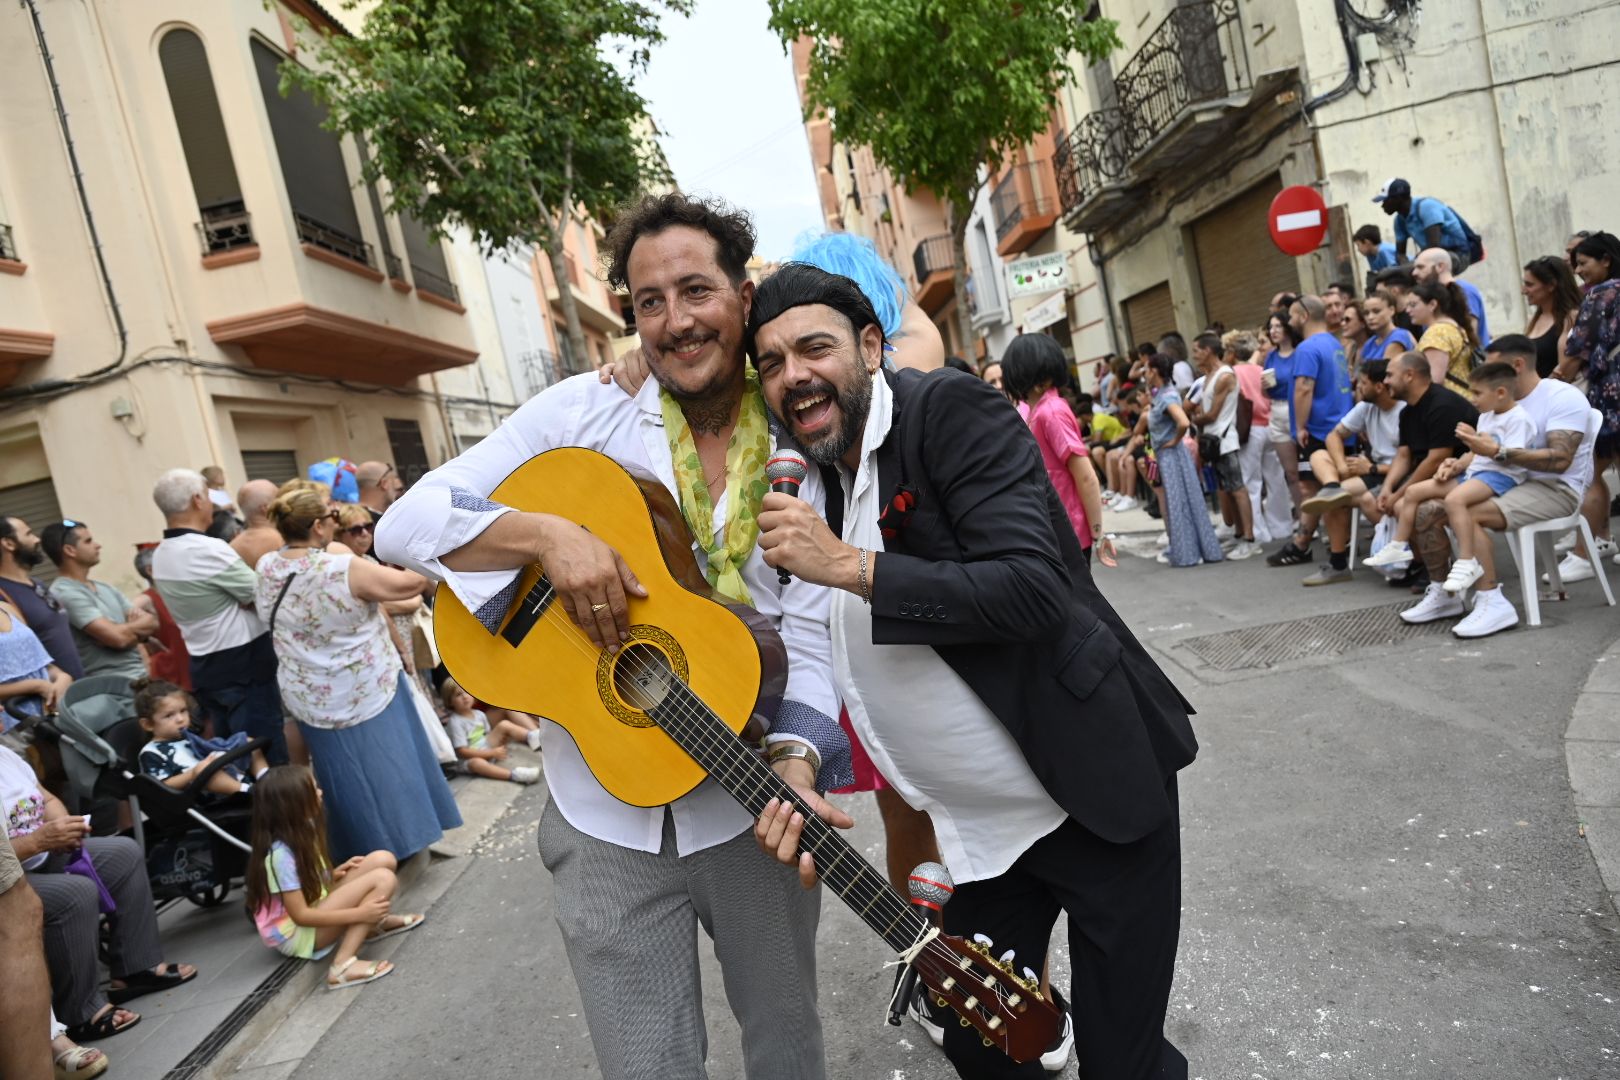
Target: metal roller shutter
276, 466
1239, 266
196, 114
36, 504
311, 157
1149, 315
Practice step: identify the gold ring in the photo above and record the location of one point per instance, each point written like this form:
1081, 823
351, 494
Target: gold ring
598, 607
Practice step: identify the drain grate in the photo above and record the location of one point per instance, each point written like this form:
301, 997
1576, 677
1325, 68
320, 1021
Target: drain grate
1257, 648
203, 1054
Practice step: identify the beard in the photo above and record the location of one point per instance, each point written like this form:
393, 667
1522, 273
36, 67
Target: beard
28, 558
854, 401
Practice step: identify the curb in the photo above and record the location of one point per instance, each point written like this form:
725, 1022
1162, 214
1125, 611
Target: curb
276, 1038
1592, 754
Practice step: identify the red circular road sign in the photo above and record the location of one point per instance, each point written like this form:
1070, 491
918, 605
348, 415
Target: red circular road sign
1298, 220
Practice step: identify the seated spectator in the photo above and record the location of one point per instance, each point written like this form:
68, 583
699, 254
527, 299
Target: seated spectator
1428, 427
25, 991
176, 754
304, 906
1385, 340
30, 682
166, 655
1216, 413
1435, 265
1559, 460
1186, 518
1594, 342
480, 744
70, 1060
1500, 417
1446, 333
1354, 480
1353, 333
214, 477
1321, 397
53, 846
20, 552
1425, 220
1379, 253
258, 538
107, 629
1120, 461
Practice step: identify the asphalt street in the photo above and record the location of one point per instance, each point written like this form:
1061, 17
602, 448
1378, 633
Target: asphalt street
1382, 875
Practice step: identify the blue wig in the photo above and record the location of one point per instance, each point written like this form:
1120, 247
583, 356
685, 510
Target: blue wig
857, 259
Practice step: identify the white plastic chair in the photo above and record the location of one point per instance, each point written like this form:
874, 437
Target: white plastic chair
1539, 536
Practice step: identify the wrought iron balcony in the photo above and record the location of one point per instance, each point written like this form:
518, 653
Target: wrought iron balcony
540, 368
435, 284
935, 267
321, 235
8, 245
225, 227
395, 266
1024, 205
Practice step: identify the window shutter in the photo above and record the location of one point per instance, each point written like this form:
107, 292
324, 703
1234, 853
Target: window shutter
197, 115
1149, 315
35, 503
1239, 266
276, 466
311, 157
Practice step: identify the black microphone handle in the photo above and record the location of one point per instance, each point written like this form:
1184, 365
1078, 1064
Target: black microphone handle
785, 487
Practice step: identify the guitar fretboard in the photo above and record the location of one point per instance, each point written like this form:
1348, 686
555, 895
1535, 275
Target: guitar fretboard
739, 770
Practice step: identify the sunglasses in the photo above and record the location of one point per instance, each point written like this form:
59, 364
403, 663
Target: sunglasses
69, 523
334, 516
358, 528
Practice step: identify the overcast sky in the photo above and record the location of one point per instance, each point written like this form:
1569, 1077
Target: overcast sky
721, 91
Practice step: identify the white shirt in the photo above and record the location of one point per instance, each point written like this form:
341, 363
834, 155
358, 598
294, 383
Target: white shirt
1380, 427
1182, 375
1224, 424
930, 736
219, 497
1513, 429
1558, 406
447, 508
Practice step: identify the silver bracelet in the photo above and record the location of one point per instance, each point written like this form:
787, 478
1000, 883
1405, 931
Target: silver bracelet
866, 590
788, 751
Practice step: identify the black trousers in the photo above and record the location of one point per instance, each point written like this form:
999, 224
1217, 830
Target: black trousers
1123, 902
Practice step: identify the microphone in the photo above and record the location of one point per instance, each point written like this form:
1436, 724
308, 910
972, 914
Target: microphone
930, 886
785, 472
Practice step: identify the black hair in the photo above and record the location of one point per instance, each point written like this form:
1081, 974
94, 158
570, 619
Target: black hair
797, 284
1397, 275
732, 230
1209, 340
1509, 345
1338, 286
7, 530
959, 364
1376, 371
1162, 365
1494, 373
1145, 349
1602, 245
1288, 327
1029, 361
1451, 302
56, 536
1369, 233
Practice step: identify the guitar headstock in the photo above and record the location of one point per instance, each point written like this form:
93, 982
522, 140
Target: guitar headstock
1007, 1010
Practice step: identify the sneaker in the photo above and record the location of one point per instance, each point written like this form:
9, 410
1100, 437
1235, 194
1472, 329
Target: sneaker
1125, 503
922, 1011
1162, 540
1245, 549
1572, 568
525, 774
1289, 555
1326, 574
1163, 558
1436, 604
1606, 547
1566, 542
1493, 612
1224, 531
1394, 553
1056, 1056
1331, 497
1464, 572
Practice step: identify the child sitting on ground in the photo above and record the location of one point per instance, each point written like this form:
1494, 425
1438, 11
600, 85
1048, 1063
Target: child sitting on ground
480, 744
304, 906
177, 755
1491, 386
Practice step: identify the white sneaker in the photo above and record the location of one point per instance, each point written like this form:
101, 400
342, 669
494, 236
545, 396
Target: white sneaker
1164, 558
1493, 612
525, 774
1126, 503
1606, 547
1245, 549
1464, 572
919, 1010
1162, 540
1057, 1058
1566, 542
1394, 553
1571, 568
1224, 531
1436, 604
533, 739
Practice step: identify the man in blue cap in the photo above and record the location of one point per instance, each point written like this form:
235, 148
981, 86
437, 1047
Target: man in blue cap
1426, 220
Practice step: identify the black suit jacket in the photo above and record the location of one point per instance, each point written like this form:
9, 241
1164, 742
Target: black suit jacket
980, 561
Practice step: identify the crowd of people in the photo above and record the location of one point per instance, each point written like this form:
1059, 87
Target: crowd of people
269, 627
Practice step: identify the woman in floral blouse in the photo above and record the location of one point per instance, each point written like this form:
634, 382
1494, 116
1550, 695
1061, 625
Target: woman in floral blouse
1595, 341
342, 680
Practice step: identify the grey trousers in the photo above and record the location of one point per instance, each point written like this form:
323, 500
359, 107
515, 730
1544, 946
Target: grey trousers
629, 920
73, 916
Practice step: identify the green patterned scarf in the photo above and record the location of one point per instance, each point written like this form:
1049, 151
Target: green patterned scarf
746, 486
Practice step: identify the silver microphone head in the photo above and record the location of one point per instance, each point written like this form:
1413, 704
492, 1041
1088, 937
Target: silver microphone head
930, 885
786, 465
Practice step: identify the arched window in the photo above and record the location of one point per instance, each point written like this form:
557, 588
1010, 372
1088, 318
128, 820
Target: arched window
202, 135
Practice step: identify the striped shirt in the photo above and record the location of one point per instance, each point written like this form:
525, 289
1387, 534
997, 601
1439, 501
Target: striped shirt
205, 584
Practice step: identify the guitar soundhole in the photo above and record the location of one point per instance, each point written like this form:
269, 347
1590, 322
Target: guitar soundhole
641, 675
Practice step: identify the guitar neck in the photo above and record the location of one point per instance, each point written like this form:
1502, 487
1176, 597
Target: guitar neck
739, 769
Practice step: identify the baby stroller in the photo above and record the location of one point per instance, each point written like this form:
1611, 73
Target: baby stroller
196, 848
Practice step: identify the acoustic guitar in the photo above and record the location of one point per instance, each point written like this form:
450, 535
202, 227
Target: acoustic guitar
655, 718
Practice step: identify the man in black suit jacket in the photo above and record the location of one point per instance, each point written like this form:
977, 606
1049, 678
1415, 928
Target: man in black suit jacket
968, 624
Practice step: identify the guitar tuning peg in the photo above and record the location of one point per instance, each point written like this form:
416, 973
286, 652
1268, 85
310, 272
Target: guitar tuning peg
980, 939
1007, 957
1029, 973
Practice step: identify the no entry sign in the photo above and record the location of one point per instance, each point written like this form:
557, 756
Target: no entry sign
1298, 220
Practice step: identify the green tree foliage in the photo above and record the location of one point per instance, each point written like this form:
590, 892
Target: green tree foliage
937, 88
507, 116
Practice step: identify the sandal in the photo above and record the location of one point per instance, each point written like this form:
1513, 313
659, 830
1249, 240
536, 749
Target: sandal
166, 977
80, 1063
376, 969
103, 1025
406, 925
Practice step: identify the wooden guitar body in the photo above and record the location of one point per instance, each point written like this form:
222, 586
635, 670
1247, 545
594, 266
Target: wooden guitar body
540, 662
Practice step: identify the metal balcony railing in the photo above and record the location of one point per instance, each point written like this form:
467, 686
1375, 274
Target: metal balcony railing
225, 227
8, 244
1095, 153
336, 241
932, 256
395, 266
429, 282
541, 368
1023, 193
1197, 54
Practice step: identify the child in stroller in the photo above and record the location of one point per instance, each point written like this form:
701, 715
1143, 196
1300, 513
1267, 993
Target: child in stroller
176, 756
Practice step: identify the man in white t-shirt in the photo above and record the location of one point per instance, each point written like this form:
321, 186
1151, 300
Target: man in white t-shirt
1353, 481
1559, 460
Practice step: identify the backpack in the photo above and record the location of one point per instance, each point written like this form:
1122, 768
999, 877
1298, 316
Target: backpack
1476, 246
